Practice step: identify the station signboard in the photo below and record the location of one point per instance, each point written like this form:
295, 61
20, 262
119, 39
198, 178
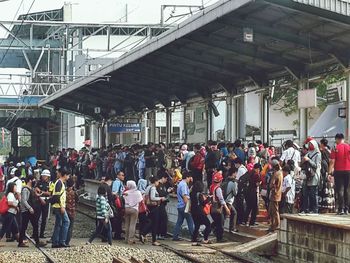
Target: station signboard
336, 92
124, 127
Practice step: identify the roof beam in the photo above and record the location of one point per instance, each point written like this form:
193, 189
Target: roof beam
183, 71
161, 94
291, 37
311, 10
110, 100
174, 88
295, 68
259, 78
128, 94
201, 87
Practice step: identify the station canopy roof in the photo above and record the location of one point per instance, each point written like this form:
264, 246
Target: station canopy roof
207, 54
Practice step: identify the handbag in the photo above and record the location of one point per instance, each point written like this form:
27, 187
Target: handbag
143, 207
118, 202
4, 207
207, 209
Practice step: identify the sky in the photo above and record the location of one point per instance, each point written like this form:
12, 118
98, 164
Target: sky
141, 9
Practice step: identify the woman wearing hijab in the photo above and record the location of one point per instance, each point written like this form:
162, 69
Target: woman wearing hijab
132, 198
312, 169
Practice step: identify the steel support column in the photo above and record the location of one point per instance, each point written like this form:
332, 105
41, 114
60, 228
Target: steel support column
168, 126
152, 126
264, 119
303, 116
182, 124
241, 117
210, 124
347, 106
231, 119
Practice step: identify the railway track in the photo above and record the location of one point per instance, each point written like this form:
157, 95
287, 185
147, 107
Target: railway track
193, 257
47, 255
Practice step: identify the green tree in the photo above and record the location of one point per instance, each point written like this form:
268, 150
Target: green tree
286, 99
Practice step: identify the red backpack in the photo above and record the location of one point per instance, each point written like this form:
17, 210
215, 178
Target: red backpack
4, 207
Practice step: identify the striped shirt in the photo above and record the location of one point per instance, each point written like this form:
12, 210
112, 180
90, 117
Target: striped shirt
101, 207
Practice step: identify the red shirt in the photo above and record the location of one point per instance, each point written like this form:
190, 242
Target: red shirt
341, 155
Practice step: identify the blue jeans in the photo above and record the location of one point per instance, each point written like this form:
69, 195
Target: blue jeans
181, 215
60, 231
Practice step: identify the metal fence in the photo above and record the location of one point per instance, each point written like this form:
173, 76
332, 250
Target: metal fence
337, 6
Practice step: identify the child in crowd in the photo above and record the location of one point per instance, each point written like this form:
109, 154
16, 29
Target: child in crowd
288, 191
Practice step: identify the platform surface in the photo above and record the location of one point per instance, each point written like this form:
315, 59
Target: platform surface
330, 220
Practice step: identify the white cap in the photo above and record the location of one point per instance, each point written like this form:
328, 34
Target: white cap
46, 172
13, 171
18, 165
23, 163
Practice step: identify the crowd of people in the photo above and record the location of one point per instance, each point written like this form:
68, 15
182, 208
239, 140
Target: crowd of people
212, 183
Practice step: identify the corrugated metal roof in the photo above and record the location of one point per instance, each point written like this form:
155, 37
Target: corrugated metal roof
337, 6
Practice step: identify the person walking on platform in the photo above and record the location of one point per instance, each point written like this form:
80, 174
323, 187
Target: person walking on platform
103, 216
212, 161
72, 199
60, 232
219, 207
30, 209
163, 192
43, 189
133, 198
198, 201
183, 199
230, 194
9, 223
253, 195
312, 169
152, 201
275, 195
339, 167
117, 190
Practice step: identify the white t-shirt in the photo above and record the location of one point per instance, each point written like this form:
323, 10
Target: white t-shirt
11, 198
291, 153
18, 183
288, 181
241, 171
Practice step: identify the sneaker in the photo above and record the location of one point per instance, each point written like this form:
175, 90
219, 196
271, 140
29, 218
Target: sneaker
340, 213
196, 244
346, 212
22, 245
142, 239
64, 245
156, 244
313, 214
302, 213
41, 244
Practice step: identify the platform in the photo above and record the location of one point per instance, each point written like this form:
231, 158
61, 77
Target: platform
317, 238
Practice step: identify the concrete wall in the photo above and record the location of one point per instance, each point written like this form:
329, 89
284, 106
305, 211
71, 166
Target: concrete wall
310, 242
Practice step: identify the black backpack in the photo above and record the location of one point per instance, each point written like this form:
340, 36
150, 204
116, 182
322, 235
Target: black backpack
243, 184
310, 172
